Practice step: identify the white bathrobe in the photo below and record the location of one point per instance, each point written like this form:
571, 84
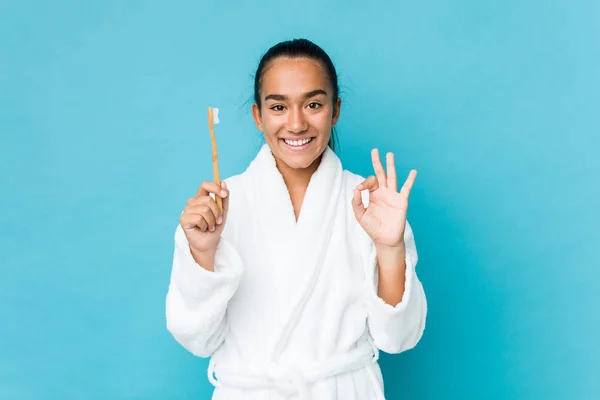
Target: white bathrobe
291, 310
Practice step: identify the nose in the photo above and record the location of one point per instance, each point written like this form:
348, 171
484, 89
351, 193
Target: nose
296, 121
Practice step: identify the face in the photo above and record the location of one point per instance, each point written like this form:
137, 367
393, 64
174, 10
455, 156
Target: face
297, 111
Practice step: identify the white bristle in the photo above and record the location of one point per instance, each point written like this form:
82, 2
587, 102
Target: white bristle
215, 112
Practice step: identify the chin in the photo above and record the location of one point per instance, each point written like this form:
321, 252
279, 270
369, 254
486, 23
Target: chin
302, 159
299, 164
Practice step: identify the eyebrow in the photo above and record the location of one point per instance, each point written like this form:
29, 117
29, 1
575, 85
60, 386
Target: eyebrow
308, 95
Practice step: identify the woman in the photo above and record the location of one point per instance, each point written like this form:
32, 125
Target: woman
309, 270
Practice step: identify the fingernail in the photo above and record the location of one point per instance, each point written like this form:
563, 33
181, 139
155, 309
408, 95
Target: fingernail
212, 228
220, 220
223, 193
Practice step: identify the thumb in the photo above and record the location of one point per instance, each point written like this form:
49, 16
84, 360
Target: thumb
370, 183
357, 205
225, 201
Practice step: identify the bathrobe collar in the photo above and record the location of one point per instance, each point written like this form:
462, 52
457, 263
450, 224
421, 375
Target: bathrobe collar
297, 247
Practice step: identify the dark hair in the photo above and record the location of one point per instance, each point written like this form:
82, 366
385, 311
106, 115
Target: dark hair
298, 48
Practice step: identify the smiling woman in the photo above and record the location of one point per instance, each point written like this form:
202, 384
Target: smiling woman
297, 113
309, 269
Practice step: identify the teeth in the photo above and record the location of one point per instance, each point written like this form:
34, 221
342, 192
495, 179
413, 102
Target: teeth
297, 142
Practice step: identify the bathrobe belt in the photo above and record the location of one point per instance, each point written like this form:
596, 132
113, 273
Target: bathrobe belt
295, 379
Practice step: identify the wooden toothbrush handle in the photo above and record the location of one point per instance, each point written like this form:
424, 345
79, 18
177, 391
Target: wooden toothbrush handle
215, 157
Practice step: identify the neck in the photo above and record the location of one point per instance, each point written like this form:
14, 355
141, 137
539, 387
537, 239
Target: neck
297, 178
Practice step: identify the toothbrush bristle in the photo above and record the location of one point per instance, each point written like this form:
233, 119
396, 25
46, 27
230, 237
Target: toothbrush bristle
215, 112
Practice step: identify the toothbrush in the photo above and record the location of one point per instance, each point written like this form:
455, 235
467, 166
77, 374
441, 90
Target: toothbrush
213, 119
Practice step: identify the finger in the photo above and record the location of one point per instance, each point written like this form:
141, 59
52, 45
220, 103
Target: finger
210, 218
357, 205
378, 167
205, 212
371, 184
196, 205
191, 221
392, 181
203, 225
208, 187
201, 210
408, 184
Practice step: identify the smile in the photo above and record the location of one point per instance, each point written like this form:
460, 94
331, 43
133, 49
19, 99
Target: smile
298, 144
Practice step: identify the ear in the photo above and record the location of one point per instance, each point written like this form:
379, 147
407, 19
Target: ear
337, 107
257, 117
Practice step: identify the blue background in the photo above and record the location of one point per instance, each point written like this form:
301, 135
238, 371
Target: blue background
103, 138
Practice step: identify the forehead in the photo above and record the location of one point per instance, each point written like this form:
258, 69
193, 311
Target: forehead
291, 76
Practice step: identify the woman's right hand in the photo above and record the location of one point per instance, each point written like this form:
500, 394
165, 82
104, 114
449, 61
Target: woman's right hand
202, 221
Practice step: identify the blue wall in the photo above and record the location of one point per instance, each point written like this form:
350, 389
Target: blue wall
103, 138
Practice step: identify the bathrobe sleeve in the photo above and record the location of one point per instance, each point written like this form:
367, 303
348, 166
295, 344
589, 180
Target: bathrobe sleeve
196, 301
396, 329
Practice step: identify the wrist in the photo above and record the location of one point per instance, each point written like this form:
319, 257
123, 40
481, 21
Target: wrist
391, 257
390, 251
206, 259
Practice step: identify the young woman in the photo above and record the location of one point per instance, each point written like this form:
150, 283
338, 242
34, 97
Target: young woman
309, 270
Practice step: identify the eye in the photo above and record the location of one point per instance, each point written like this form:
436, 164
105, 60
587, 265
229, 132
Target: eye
277, 108
314, 105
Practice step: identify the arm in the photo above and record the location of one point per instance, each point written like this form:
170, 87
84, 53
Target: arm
391, 262
395, 328
197, 298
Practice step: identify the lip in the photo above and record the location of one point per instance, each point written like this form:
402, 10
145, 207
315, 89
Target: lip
298, 148
298, 138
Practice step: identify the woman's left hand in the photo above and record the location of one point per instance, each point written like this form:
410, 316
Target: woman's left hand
384, 219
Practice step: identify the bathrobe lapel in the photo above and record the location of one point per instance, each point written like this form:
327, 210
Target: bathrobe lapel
296, 249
